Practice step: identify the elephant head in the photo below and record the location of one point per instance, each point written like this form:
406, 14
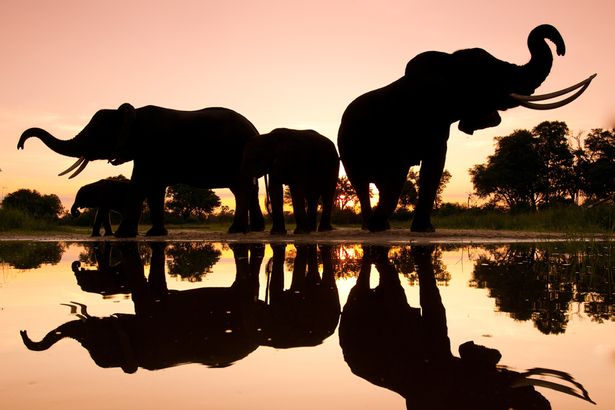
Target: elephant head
107, 136
476, 85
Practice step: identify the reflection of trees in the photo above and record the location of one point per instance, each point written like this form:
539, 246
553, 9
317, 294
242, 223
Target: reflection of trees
539, 282
346, 260
31, 255
401, 258
192, 260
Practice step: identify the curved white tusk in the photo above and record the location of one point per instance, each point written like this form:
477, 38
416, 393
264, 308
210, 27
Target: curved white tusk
554, 94
536, 106
75, 165
81, 168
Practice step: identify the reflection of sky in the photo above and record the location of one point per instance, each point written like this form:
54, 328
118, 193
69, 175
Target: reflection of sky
269, 378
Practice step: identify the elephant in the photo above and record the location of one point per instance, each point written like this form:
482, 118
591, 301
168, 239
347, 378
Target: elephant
304, 160
105, 195
308, 311
213, 326
386, 131
110, 277
200, 148
407, 350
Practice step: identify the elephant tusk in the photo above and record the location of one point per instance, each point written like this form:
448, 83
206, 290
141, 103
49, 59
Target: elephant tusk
554, 94
550, 106
81, 168
75, 165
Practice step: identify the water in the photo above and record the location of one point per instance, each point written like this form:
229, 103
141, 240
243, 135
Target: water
219, 326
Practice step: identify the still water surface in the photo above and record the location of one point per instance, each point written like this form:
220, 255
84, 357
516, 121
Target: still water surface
254, 326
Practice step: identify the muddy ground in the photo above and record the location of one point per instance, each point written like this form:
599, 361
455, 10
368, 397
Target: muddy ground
340, 235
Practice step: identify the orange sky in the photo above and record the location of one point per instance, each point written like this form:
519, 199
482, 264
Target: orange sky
279, 63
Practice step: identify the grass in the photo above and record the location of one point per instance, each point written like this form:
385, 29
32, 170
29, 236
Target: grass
572, 220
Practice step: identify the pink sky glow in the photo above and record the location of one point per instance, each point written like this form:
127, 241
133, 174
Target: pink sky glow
294, 64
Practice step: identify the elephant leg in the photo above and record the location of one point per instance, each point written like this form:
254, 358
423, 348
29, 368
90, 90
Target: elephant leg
361, 187
389, 189
155, 200
240, 219
276, 196
312, 210
97, 222
328, 199
276, 278
134, 204
103, 216
257, 221
429, 179
301, 220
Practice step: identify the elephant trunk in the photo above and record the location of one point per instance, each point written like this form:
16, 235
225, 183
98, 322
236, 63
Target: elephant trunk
69, 148
74, 210
537, 69
72, 329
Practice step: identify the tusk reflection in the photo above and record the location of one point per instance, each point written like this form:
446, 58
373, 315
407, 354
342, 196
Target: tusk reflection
75, 165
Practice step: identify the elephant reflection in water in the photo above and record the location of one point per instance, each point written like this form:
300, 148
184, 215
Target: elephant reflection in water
215, 326
110, 276
407, 350
211, 326
307, 312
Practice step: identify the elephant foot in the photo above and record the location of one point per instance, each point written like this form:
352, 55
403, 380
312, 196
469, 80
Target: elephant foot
325, 228
110, 233
258, 226
125, 232
237, 228
277, 231
301, 231
378, 225
421, 226
95, 234
157, 231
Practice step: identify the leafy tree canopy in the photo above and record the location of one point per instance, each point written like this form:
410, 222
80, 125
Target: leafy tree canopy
33, 203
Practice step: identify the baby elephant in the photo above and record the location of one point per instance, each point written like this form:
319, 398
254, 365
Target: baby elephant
105, 195
305, 161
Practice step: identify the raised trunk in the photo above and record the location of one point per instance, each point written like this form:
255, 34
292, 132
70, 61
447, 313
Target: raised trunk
71, 329
70, 148
537, 69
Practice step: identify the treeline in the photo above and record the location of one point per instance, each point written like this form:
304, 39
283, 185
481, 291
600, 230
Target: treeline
541, 168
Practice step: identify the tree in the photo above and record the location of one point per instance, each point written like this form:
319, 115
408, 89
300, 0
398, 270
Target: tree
511, 173
33, 203
556, 177
596, 165
409, 192
345, 193
185, 201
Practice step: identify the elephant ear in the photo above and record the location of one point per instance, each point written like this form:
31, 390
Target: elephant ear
123, 148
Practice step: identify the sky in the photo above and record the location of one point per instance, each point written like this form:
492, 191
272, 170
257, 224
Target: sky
295, 64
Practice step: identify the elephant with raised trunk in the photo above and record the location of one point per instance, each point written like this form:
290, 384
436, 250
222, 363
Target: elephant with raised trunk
201, 148
407, 122
304, 160
105, 195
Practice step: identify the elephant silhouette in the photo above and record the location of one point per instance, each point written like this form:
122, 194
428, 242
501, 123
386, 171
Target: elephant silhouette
308, 311
213, 326
386, 131
110, 276
105, 195
407, 350
304, 160
201, 148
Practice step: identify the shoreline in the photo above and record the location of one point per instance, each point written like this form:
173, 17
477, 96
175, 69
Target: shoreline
339, 235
